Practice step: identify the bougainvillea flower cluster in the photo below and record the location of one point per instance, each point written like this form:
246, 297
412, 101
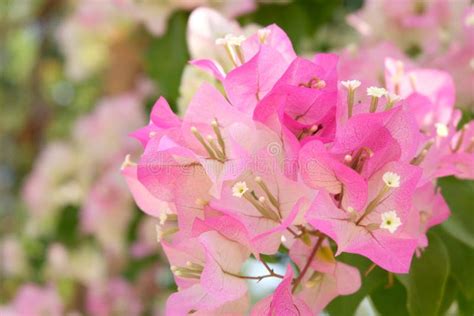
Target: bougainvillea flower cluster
292, 153
434, 33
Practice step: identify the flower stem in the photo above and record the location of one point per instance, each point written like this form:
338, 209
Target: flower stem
258, 277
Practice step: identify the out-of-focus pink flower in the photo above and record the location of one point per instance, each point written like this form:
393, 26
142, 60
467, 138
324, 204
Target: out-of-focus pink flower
459, 61
147, 238
431, 208
111, 120
86, 35
58, 261
14, 261
367, 65
66, 173
155, 14
460, 157
107, 212
407, 23
53, 184
435, 33
33, 300
116, 296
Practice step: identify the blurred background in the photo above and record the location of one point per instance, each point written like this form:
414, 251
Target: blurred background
76, 77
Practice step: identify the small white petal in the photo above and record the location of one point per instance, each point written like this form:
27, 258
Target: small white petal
376, 92
390, 221
231, 39
391, 179
239, 189
351, 84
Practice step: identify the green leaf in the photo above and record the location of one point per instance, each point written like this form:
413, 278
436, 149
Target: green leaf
390, 301
299, 19
427, 279
465, 306
167, 56
68, 226
449, 296
461, 257
459, 195
347, 305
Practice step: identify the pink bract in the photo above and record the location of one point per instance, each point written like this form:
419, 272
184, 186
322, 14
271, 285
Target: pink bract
281, 153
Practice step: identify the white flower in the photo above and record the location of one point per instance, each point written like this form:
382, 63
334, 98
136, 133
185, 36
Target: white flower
391, 179
390, 221
239, 189
351, 84
376, 92
231, 40
441, 130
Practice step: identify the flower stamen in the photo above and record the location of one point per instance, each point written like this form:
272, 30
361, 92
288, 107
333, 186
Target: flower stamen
351, 86
392, 98
421, 156
213, 151
217, 131
376, 93
232, 44
263, 35
391, 180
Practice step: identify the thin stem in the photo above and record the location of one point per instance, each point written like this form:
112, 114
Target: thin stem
295, 234
350, 102
372, 267
258, 278
373, 104
374, 203
459, 141
308, 262
267, 267
390, 281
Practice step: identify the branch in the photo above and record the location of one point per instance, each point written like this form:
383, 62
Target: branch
295, 234
308, 262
